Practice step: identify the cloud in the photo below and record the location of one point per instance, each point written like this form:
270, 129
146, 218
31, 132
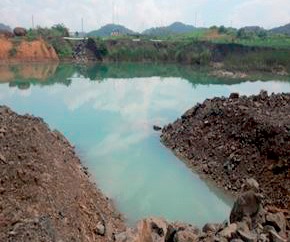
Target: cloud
137, 15
141, 14
267, 13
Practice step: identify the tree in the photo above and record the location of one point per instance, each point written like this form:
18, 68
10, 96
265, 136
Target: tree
60, 30
222, 30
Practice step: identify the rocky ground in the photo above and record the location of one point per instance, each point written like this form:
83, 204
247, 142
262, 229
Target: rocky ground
231, 139
249, 221
45, 193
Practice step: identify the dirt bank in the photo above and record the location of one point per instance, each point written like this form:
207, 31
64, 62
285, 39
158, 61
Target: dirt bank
231, 139
21, 50
46, 195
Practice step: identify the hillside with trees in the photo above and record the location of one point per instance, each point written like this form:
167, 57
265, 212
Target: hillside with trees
281, 30
175, 28
5, 28
109, 30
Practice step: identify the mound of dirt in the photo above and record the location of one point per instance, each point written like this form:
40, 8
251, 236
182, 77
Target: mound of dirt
232, 139
46, 194
23, 50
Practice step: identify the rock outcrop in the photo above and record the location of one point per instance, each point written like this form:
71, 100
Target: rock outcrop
231, 139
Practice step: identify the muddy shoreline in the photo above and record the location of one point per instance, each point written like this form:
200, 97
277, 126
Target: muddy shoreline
228, 140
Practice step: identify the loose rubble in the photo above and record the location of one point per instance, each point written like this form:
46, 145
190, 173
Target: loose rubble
45, 193
249, 221
231, 139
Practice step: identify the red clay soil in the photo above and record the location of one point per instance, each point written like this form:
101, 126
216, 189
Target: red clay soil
23, 50
45, 193
231, 139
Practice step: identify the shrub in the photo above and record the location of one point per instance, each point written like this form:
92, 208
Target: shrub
13, 51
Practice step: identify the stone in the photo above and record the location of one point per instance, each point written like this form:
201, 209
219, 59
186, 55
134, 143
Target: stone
248, 204
185, 236
251, 184
210, 228
277, 220
263, 94
247, 236
2, 158
156, 128
19, 31
229, 231
152, 229
263, 238
100, 229
234, 95
122, 237
275, 237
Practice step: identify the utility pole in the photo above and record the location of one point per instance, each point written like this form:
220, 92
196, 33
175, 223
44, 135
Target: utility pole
82, 26
32, 21
113, 11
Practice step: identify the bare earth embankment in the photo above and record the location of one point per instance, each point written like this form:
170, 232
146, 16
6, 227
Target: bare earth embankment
21, 50
45, 194
231, 139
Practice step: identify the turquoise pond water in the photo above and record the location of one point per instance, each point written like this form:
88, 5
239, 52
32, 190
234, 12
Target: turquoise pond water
108, 112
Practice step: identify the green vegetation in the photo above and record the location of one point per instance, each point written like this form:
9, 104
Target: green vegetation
13, 51
262, 61
173, 29
110, 30
53, 36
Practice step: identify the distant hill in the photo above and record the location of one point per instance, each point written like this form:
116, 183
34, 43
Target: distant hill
175, 28
108, 29
281, 30
5, 28
252, 29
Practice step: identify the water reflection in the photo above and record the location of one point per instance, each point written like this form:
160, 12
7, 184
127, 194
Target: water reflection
25, 75
110, 121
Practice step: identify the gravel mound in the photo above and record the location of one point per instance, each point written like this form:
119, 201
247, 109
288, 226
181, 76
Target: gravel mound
231, 139
45, 193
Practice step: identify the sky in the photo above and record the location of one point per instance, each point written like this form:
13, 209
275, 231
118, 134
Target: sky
141, 14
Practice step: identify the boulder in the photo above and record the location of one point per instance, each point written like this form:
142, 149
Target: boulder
19, 31
229, 232
248, 205
277, 220
152, 229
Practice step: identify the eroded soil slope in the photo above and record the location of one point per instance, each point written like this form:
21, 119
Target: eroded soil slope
23, 50
45, 193
231, 139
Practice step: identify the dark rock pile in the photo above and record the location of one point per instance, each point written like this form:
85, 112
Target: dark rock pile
249, 221
45, 193
232, 139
